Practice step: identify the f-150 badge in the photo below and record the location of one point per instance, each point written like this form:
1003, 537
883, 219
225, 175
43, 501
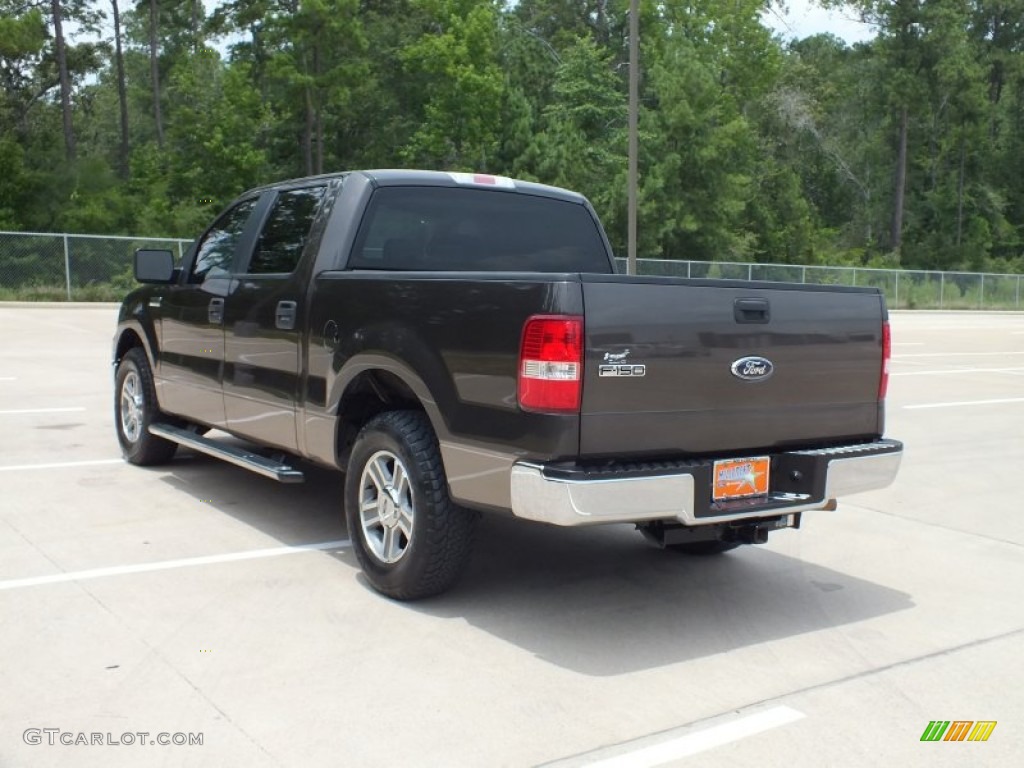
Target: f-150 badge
618, 365
753, 368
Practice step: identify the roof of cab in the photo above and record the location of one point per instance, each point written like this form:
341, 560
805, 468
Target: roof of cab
404, 177
396, 177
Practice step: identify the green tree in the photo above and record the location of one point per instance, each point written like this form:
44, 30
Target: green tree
582, 141
22, 48
822, 122
214, 148
705, 73
457, 71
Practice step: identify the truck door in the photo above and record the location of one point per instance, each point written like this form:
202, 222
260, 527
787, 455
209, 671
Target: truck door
264, 323
188, 377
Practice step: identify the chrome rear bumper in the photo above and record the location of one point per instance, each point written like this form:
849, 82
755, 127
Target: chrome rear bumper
540, 494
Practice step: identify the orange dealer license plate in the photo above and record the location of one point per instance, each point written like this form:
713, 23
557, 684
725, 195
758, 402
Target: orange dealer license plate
740, 478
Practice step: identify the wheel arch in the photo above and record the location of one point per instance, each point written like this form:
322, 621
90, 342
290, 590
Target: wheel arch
372, 385
126, 340
131, 335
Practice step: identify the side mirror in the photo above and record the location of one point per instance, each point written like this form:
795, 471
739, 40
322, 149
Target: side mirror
154, 266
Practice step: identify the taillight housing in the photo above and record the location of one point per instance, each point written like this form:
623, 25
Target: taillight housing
551, 364
883, 384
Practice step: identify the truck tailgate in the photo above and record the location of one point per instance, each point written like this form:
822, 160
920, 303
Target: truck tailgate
660, 353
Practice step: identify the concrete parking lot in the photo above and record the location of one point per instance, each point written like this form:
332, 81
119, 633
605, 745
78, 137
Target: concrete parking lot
197, 599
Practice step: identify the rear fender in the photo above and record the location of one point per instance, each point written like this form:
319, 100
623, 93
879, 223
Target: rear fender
366, 362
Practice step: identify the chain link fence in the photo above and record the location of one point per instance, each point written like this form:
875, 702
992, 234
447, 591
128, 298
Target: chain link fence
39, 266
52, 267
903, 288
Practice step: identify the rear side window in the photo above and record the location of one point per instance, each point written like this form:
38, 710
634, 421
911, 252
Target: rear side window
447, 229
283, 238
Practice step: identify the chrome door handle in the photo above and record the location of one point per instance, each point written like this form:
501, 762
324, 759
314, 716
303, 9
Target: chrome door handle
284, 316
215, 311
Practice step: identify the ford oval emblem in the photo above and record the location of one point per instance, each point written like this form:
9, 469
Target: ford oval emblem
753, 368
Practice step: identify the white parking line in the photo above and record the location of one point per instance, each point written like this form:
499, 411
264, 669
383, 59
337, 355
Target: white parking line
163, 565
965, 402
7, 378
701, 741
956, 354
972, 329
60, 465
41, 410
958, 370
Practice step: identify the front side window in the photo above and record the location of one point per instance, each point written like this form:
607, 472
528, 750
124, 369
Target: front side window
284, 236
217, 248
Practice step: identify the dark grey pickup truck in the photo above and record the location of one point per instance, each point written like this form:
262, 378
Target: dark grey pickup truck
458, 343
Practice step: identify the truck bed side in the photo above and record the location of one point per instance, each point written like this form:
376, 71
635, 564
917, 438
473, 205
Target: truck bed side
453, 340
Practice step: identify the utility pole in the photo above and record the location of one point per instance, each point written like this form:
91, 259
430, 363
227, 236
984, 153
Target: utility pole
634, 109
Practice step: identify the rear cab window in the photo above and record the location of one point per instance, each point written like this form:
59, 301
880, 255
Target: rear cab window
431, 228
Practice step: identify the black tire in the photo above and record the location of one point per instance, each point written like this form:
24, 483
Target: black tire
411, 540
703, 547
134, 384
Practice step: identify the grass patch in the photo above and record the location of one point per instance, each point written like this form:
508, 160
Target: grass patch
91, 292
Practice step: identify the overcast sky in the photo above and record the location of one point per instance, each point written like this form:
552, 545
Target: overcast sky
805, 18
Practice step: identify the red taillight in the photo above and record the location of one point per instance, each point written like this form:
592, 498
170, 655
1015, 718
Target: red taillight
883, 384
551, 363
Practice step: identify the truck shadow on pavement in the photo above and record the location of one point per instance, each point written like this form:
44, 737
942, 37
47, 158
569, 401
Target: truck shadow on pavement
598, 601
603, 601
304, 513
